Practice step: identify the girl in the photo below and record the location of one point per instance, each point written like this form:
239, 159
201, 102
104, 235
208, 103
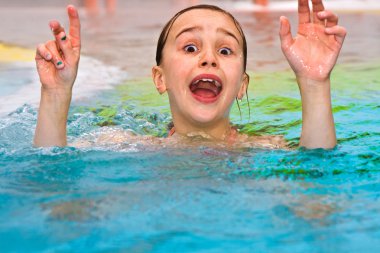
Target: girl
201, 64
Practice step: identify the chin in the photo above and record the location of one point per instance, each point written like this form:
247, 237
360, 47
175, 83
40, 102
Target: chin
200, 114
205, 117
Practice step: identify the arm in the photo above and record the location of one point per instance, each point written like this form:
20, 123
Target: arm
312, 54
57, 65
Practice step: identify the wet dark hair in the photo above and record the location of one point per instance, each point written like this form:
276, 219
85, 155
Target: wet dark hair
165, 31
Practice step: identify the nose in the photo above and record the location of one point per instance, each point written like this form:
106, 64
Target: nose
208, 59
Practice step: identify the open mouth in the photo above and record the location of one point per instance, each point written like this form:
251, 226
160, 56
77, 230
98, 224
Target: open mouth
206, 88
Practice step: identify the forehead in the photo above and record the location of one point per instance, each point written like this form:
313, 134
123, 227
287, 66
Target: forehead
206, 19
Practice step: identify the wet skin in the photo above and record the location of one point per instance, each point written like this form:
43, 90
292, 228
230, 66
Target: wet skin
202, 44
202, 71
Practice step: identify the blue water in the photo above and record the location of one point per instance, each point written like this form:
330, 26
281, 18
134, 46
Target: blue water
135, 199
140, 198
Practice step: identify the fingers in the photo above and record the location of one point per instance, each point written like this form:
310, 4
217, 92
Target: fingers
42, 53
62, 52
62, 41
285, 34
303, 11
55, 27
332, 27
317, 7
56, 56
330, 17
50, 52
68, 44
320, 15
339, 32
74, 30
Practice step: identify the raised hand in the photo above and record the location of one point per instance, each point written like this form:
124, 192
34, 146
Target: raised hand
57, 60
57, 64
313, 52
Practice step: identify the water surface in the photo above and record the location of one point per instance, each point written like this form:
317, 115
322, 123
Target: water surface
129, 198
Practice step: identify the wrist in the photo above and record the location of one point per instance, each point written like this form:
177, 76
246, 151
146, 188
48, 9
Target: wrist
56, 95
60, 89
312, 88
55, 102
313, 83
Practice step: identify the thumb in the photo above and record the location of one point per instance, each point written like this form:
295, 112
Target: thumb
285, 35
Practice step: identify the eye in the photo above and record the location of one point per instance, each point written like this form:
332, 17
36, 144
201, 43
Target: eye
225, 51
191, 48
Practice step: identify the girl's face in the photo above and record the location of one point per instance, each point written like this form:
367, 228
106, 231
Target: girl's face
202, 68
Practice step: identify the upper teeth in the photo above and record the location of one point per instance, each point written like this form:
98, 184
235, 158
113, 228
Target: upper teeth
217, 84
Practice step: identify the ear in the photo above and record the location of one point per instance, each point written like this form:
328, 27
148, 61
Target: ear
159, 79
244, 86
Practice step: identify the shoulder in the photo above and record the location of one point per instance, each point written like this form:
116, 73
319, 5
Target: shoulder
109, 136
266, 141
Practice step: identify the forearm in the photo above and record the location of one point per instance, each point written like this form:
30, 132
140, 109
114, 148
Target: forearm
52, 119
318, 129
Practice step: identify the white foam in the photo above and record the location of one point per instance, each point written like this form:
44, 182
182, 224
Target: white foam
93, 77
336, 5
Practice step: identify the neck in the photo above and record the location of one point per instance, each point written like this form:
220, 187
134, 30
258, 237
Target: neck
220, 130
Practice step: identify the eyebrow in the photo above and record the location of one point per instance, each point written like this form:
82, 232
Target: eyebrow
225, 31
195, 28
188, 29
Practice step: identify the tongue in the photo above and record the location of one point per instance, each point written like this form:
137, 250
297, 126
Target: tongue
204, 93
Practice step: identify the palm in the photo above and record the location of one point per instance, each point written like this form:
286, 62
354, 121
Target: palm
53, 78
313, 53
57, 60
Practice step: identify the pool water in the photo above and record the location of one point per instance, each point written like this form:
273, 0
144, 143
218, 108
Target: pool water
134, 198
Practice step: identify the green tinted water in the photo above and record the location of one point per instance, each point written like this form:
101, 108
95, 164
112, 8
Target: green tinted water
132, 199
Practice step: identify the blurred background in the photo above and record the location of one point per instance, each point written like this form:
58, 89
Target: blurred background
122, 36
120, 198
127, 35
